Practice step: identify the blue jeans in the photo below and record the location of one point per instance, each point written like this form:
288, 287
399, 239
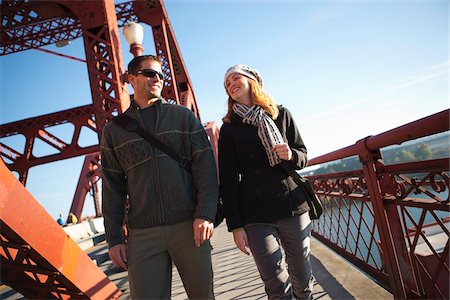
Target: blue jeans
293, 235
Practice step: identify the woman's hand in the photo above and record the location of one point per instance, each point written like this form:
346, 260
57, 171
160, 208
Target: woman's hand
241, 241
283, 151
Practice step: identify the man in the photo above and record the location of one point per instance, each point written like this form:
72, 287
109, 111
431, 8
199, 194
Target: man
171, 210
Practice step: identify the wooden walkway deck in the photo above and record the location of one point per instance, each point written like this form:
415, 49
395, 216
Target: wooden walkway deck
236, 276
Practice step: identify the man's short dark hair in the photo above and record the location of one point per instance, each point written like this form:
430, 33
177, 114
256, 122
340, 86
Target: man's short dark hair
135, 63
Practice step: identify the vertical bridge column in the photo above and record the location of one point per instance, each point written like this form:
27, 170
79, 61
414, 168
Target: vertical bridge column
395, 253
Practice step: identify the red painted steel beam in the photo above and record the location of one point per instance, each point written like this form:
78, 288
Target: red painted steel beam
395, 255
160, 36
89, 176
29, 128
434, 180
66, 116
26, 25
38, 256
36, 128
61, 55
19, 14
393, 192
125, 13
178, 87
436, 165
105, 67
104, 57
432, 124
44, 23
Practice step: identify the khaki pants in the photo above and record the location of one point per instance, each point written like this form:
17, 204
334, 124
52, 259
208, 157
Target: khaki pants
151, 252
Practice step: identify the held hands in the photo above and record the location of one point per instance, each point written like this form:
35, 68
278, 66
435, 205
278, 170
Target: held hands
118, 255
241, 241
203, 231
283, 151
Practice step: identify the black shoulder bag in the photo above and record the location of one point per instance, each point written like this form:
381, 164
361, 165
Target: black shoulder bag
314, 203
131, 124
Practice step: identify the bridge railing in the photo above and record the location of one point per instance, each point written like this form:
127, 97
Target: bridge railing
390, 219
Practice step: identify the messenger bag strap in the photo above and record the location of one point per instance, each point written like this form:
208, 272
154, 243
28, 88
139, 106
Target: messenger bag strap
130, 124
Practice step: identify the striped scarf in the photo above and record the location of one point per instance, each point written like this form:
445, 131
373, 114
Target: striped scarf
267, 130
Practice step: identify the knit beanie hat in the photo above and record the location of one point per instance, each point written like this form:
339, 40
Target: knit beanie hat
246, 71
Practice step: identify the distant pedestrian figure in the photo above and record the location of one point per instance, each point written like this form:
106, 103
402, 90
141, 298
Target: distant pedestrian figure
61, 221
263, 206
73, 219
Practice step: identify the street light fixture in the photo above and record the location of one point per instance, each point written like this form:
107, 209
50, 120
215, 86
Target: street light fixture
62, 43
134, 34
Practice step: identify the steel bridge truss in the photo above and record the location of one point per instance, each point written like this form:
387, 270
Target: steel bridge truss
27, 264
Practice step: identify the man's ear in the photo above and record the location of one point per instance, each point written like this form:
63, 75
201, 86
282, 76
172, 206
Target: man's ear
131, 78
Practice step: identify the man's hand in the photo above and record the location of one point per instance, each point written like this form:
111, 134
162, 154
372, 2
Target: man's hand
283, 151
118, 255
241, 241
203, 231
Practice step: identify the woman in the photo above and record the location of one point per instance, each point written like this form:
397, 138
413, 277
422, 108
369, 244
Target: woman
264, 208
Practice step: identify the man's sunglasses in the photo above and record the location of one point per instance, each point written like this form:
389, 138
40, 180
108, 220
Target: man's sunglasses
150, 73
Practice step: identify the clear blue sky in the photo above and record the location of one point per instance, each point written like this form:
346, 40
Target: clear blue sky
346, 70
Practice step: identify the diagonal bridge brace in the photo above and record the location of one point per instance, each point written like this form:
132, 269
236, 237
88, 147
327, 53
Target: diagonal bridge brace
37, 256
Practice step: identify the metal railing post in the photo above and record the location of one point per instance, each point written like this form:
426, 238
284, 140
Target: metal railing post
395, 253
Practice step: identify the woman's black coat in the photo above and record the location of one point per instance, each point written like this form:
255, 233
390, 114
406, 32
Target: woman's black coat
252, 191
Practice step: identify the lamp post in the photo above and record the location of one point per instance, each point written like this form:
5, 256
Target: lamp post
134, 34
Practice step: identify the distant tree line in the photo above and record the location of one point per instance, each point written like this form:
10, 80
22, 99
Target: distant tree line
408, 154
401, 154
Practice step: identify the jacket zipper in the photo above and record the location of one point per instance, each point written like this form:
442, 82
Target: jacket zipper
158, 180
155, 153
